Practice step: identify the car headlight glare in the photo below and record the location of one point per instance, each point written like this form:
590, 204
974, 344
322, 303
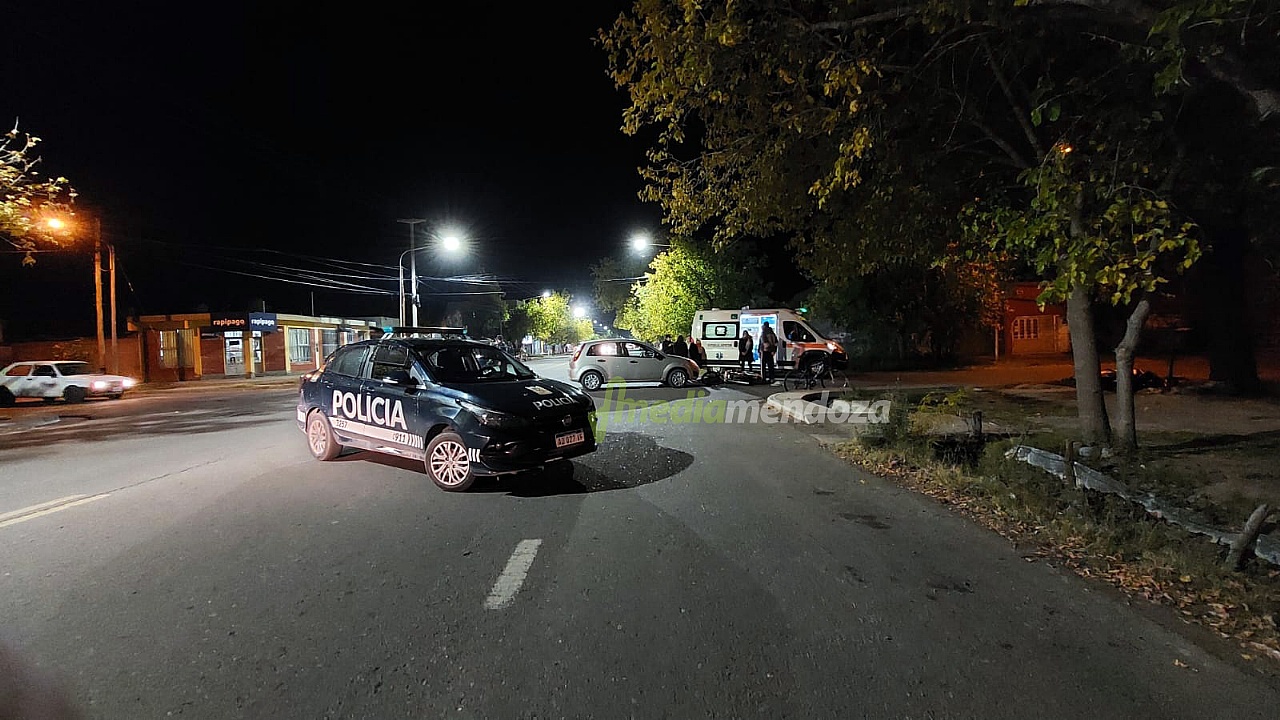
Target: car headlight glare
493, 418
129, 382
99, 385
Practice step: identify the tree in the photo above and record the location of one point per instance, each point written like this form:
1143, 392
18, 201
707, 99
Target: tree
26, 197
860, 128
894, 314
581, 329
518, 321
611, 289
551, 319
1096, 222
682, 280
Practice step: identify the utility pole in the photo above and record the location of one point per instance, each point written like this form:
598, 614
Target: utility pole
401, 298
115, 347
97, 292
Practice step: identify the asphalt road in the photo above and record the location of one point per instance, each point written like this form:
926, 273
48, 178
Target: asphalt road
206, 566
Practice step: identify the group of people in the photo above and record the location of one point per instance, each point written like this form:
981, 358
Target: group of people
692, 349
746, 351
768, 352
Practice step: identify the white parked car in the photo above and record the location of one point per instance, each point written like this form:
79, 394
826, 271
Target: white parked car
597, 362
70, 380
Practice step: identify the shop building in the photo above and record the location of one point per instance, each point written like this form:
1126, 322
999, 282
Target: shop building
198, 345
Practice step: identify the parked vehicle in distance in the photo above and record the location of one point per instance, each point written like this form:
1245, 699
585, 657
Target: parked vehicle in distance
597, 362
71, 380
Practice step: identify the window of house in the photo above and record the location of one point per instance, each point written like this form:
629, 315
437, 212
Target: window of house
300, 345
328, 342
1026, 328
178, 348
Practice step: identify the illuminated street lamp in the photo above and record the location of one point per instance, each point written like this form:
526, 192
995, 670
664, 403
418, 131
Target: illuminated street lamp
641, 243
579, 312
450, 243
58, 224
546, 293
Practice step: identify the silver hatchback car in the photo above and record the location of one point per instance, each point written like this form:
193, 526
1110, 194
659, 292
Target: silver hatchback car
597, 362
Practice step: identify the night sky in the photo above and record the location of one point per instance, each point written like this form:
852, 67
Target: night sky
204, 137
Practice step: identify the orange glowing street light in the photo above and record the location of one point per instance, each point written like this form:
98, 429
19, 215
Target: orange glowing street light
58, 224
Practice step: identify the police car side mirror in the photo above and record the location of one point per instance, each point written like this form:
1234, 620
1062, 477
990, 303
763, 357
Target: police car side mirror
398, 377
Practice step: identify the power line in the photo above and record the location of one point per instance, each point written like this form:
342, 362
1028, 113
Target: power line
363, 290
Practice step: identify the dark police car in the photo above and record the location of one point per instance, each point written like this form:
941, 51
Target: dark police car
465, 408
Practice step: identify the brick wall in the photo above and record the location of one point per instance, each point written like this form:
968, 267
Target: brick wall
86, 349
213, 356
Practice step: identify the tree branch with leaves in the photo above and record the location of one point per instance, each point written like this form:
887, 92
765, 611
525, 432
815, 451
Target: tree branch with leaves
27, 199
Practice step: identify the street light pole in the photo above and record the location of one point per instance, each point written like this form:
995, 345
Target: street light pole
413, 270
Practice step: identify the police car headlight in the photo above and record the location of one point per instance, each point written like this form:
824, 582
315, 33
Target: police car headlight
493, 418
129, 382
100, 385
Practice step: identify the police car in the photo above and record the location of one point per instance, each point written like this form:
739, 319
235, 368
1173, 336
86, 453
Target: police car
465, 408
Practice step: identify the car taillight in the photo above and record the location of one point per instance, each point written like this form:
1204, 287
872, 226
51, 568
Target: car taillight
576, 353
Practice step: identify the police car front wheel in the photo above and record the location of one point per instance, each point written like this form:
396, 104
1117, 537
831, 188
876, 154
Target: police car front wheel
320, 439
448, 462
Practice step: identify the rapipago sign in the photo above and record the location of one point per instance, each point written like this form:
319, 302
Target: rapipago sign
259, 321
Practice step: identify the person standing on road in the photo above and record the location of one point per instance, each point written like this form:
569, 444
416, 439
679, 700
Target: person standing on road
679, 347
768, 348
697, 353
745, 348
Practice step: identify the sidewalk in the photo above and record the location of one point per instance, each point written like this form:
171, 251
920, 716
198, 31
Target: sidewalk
1047, 369
220, 383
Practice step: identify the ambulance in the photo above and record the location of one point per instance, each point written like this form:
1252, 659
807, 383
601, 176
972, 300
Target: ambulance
718, 331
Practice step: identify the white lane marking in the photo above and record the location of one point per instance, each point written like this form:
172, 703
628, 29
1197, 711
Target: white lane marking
49, 510
512, 577
39, 506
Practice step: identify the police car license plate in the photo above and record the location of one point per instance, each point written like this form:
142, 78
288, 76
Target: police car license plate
571, 438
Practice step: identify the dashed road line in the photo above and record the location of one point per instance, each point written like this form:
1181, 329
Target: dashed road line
513, 575
46, 508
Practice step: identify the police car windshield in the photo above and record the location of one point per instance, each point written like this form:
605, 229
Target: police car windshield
473, 364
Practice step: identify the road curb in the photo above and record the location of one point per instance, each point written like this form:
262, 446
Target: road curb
210, 386
799, 406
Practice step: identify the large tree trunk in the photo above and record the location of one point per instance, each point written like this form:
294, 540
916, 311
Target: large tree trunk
1090, 408
1124, 376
